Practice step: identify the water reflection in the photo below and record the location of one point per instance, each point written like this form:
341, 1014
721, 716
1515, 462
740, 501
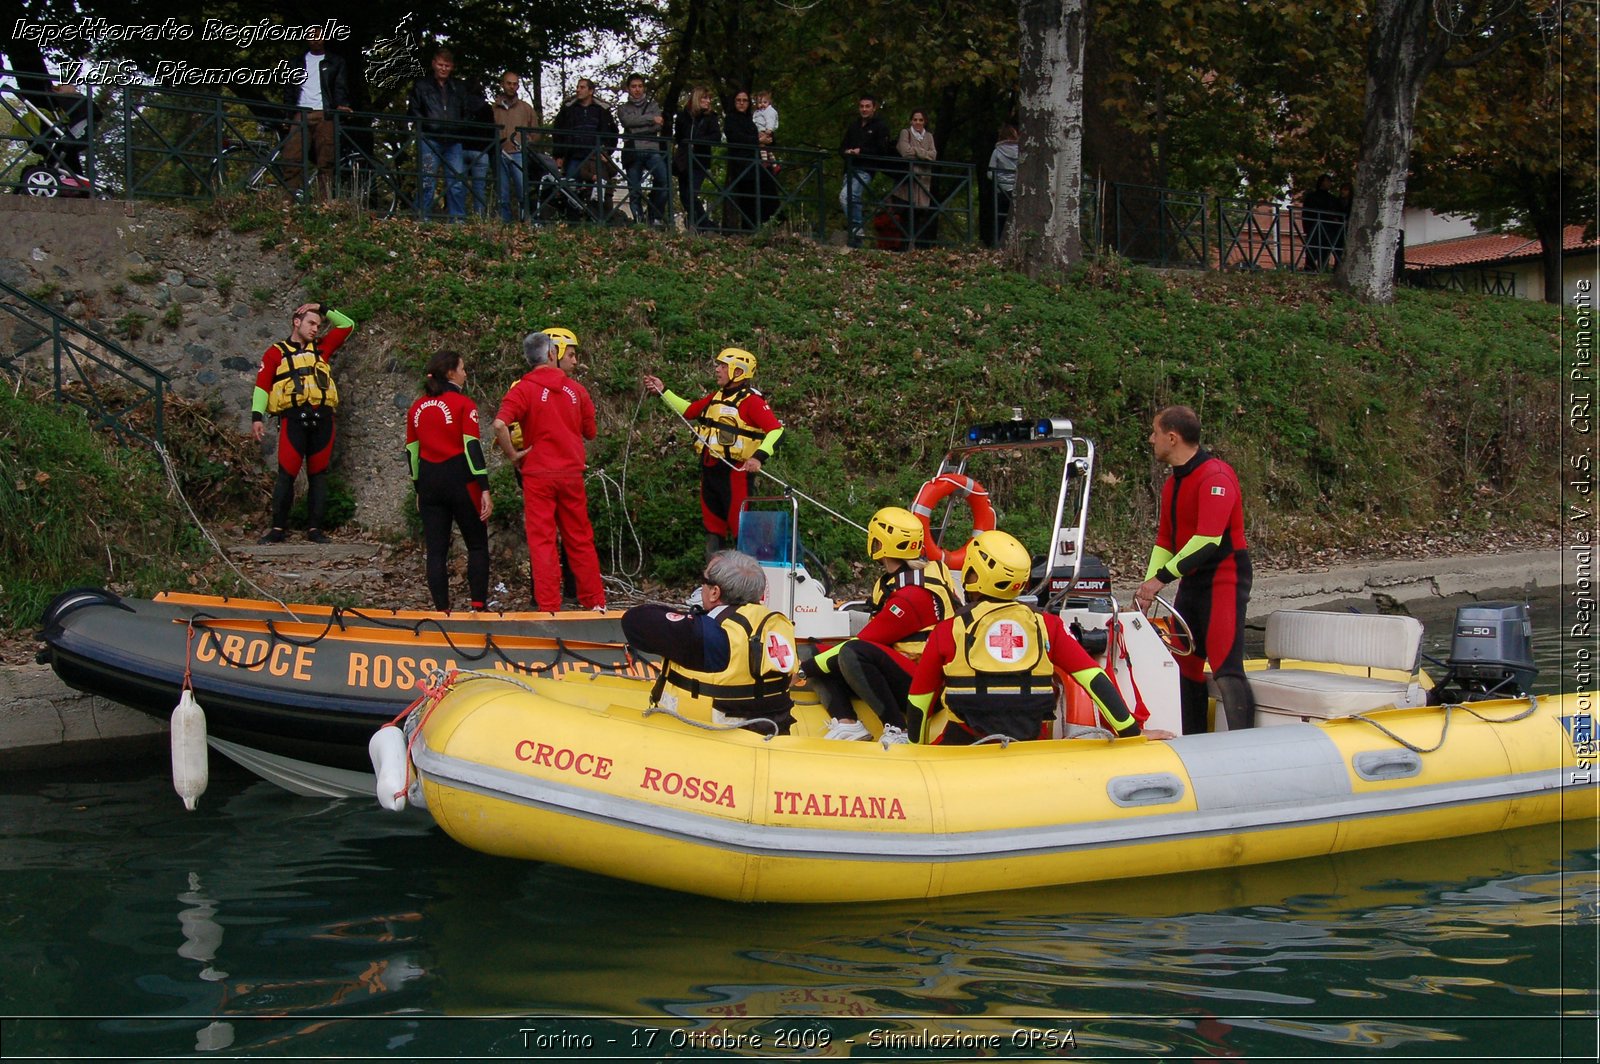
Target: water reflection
270, 924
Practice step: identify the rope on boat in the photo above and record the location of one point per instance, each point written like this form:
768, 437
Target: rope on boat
172, 479
711, 726
1533, 705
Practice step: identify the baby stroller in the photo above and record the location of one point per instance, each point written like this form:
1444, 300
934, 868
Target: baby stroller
52, 125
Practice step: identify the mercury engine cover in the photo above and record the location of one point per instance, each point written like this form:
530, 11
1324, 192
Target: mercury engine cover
1491, 653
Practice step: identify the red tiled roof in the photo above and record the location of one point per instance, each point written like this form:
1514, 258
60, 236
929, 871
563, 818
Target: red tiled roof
1488, 248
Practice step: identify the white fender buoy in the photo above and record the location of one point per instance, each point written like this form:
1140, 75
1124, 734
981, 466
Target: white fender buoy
387, 750
190, 772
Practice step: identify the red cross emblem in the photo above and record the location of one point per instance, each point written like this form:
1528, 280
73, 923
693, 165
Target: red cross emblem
1006, 640
779, 651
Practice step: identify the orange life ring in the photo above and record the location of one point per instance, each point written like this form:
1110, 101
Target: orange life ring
936, 491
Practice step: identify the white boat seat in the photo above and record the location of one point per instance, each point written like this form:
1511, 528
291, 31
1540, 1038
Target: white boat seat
1350, 647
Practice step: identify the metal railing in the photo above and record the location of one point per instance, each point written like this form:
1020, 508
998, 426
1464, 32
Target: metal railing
901, 207
87, 370
1464, 279
149, 142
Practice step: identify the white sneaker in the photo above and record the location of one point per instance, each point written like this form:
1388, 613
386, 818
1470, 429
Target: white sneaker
893, 736
846, 729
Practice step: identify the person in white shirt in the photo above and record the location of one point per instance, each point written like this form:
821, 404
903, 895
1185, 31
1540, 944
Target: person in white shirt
311, 125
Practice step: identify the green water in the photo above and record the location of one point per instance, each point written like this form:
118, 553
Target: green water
270, 925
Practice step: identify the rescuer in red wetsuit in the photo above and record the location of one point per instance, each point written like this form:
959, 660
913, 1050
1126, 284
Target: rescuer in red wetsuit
994, 664
875, 665
735, 432
556, 416
295, 385
1200, 538
450, 477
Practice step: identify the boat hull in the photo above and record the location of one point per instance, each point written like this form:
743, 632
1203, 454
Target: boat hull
537, 774
305, 685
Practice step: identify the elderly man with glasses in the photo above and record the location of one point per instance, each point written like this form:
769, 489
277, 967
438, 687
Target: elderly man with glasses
731, 649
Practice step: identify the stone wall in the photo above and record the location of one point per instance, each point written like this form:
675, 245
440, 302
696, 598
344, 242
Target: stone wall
201, 305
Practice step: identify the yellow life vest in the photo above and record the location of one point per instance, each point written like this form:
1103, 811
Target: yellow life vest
1002, 663
303, 378
935, 576
762, 659
721, 432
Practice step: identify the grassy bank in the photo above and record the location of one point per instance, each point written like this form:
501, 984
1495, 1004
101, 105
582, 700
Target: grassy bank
1349, 425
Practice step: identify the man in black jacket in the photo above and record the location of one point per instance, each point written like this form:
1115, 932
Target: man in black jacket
584, 130
441, 105
866, 149
313, 102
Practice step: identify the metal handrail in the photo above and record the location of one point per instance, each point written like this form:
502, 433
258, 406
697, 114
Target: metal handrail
81, 355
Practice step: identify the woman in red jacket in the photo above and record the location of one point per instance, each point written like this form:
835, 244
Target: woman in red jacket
450, 477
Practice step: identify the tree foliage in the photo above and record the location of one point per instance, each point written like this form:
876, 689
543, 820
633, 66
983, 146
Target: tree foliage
1512, 142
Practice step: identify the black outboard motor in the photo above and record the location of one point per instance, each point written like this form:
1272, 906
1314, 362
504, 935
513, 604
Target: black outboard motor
1091, 590
1491, 653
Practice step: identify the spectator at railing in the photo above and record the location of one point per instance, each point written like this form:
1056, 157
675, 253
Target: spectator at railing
440, 104
584, 130
643, 151
313, 102
754, 194
766, 119
479, 144
518, 121
1321, 219
695, 131
1003, 172
865, 147
916, 145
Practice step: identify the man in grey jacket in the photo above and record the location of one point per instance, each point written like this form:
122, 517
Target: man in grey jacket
643, 150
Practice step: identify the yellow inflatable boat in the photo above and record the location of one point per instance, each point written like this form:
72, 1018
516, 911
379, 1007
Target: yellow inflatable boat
582, 773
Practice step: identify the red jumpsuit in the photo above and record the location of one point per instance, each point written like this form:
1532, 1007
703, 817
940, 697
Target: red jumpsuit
724, 489
557, 416
305, 434
1200, 538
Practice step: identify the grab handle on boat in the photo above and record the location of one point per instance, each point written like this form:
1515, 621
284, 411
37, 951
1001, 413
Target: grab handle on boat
1158, 789
1375, 765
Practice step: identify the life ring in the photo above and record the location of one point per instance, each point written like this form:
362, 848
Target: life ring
936, 491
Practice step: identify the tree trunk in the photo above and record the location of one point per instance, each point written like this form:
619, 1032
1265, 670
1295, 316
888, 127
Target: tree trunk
1403, 48
1044, 220
1553, 236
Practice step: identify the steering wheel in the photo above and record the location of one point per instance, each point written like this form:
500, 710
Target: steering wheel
1170, 626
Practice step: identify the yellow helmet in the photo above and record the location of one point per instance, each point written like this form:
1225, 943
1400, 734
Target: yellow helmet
894, 532
741, 363
564, 338
996, 566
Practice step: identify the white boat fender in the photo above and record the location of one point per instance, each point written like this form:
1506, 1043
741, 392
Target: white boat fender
387, 749
190, 772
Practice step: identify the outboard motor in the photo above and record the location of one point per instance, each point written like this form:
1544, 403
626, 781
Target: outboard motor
1091, 590
1491, 653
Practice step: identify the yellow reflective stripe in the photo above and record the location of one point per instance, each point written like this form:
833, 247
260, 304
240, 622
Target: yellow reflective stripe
1194, 546
1159, 556
770, 440
413, 450
920, 703
258, 401
677, 403
823, 660
1085, 679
